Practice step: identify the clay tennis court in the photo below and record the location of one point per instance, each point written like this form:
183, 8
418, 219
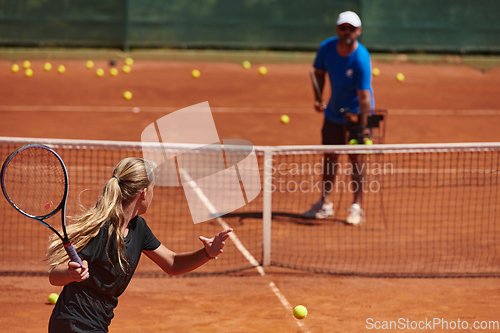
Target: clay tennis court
435, 104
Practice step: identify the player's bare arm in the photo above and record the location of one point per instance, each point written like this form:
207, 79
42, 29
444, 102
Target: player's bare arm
67, 272
179, 263
364, 100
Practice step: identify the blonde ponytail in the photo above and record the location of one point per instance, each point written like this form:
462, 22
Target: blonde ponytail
130, 176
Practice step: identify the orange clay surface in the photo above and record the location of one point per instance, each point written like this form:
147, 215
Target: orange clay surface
435, 103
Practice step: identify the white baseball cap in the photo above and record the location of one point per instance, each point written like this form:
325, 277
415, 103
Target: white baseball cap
349, 17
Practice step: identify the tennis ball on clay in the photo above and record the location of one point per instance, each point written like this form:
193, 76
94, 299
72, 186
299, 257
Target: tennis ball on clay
246, 64
195, 73
28, 72
368, 141
113, 71
61, 69
53, 298
15, 68
400, 77
99, 72
300, 312
285, 119
126, 69
129, 61
263, 70
47, 66
89, 64
127, 95
26, 64
376, 71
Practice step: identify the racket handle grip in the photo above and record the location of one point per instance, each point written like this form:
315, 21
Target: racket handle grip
73, 256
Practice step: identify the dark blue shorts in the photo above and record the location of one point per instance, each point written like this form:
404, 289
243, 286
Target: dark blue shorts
340, 134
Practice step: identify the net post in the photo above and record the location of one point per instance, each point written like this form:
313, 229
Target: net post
267, 207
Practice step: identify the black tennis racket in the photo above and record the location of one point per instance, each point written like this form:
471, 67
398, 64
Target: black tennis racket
317, 91
35, 182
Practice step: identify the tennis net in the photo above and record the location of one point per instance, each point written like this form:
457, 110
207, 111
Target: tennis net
431, 210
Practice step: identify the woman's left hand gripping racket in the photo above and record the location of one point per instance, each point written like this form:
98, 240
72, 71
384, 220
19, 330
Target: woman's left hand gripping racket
35, 182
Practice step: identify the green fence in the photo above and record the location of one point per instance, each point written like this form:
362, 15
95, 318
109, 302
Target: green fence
62, 22
432, 25
389, 25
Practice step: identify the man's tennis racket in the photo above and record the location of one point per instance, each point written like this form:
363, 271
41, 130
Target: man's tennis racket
317, 91
35, 182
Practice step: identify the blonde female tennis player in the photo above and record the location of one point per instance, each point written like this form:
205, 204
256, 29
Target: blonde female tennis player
110, 238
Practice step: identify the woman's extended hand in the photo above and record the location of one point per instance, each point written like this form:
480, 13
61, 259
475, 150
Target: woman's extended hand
214, 245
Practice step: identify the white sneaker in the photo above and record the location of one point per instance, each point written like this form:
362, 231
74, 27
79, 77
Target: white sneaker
356, 215
311, 213
325, 211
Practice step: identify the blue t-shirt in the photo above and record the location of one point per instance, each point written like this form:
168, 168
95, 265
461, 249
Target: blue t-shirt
347, 76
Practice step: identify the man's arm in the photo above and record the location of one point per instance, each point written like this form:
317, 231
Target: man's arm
365, 105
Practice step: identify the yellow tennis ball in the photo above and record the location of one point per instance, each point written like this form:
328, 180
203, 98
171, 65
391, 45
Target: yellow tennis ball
353, 142
263, 70
28, 72
127, 95
26, 64
400, 77
53, 298
368, 141
113, 71
15, 68
376, 71
61, 69
300, 312
285, 119
47, 66
246, 64
126, 69
89, 64
195, 73
129, 61
99, 72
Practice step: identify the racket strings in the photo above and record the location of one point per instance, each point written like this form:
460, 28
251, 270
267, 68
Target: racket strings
35, 181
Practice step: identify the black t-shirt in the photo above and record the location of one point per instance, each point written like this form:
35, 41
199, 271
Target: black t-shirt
88, 306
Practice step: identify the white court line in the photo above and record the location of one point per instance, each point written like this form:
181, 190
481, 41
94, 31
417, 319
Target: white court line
292, 110
239, 245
